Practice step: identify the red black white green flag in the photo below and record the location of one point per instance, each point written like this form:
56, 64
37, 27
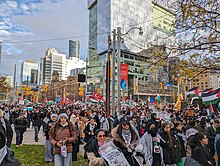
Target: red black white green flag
193, 92
211, 97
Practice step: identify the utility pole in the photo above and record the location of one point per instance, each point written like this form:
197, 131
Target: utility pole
14, 84
118, 69
108, 78
113, 73
86, 82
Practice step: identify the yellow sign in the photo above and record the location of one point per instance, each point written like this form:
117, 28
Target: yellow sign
17, 92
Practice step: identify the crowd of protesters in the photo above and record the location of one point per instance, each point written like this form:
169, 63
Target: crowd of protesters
185, 137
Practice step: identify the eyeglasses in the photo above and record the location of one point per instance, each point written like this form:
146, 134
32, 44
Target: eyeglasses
125, 124
102, 136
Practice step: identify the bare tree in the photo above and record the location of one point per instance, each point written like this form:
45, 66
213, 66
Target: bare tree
197, 30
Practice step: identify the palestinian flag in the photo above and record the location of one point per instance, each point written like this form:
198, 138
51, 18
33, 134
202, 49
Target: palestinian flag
206, 91
92, 100
193, 92
211, 97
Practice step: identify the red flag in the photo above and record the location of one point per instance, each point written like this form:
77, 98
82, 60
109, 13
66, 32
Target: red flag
68, 100
211, 108
97, 96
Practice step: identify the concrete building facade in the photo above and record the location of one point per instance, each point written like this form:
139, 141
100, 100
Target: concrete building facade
54, 61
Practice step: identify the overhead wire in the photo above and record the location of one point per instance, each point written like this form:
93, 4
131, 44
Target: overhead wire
79, 36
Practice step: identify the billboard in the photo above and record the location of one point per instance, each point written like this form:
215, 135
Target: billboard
124, 76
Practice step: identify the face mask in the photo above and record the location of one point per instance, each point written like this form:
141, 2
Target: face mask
153, 132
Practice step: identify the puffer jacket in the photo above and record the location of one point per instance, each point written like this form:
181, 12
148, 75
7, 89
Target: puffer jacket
120, 143
60, 132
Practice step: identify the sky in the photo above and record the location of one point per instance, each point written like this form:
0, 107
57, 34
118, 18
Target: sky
29, 27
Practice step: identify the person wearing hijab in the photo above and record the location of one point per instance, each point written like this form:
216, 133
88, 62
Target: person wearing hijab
48, 123
153, 151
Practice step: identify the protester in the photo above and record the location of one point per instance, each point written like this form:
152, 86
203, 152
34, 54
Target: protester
48, 123
217, 144
90, 129
178, 131
20, 125
6, 154
37, 122
77, 124
170, 153
92, 148
61, 136
6, 129
125, 137
211, 133
200, 151
153, 151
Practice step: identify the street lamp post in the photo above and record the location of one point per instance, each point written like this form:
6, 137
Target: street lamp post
118, 70
119, 35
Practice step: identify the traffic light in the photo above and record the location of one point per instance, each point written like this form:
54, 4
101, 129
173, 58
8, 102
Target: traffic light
180, 81
45, 88
99, 90
185, 88
161, 85
136, 86
81, 91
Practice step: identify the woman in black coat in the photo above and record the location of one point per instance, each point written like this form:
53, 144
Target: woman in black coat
92, 148
200, 150
170, 145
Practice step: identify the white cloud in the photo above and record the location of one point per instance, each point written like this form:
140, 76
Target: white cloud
46, 20
5, 33
12, 4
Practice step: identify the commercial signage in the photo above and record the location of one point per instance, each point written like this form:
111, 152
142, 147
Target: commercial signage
123, 76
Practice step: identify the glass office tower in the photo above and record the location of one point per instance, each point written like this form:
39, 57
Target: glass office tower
106, 15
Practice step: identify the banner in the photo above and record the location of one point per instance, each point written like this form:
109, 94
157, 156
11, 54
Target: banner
124, 76
112, 155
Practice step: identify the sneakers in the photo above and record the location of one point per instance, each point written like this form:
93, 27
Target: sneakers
21, 145
17, 146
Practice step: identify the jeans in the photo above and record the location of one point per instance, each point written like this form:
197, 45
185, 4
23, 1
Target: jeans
36, 129
49, 151
19, 136
61, 161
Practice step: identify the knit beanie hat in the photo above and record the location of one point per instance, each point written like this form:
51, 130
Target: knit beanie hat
53, 115
64, 115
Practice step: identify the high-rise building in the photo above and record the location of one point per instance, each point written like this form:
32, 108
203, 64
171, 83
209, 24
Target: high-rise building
155, 19
74, 49
0, 53
29, 72
54, 61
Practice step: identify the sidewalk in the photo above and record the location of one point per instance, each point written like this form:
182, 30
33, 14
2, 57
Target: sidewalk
29, 139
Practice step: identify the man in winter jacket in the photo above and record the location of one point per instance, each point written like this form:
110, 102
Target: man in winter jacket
37, 122
211, 133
